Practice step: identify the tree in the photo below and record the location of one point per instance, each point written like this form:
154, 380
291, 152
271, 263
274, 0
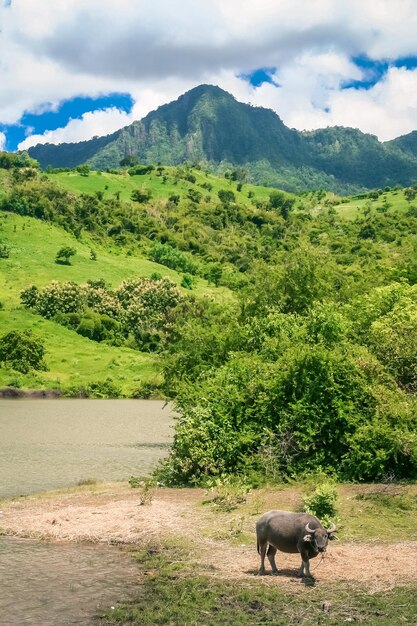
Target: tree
64, 254
129, 161
22, 350
279, 201
84, 170
410, 194
226, 196
141, 195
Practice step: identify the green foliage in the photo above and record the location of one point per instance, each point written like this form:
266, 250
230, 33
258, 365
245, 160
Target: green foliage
226, 196
139, 170
322, 503
142, 308
64, 255
11, 160
227, 493
83, 169
104, 389
129, 161
22, 351
4, 251
187, 281
216, 129
297, 396
173, 258
141, 195
281, 202
194, 195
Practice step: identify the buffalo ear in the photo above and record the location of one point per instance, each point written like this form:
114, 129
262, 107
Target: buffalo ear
307, 538
333, 537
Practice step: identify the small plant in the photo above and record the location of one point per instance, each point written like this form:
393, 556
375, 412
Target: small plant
141, 195
236, 527
228, 492
322, 503
93, 255
187, 281
4, 251
146, 487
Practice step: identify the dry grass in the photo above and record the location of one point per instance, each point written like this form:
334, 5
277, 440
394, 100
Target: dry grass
224, 542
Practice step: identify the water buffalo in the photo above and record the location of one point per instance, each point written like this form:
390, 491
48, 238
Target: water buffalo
291, 532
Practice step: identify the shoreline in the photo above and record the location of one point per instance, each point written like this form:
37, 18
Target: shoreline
15, 393
222, 542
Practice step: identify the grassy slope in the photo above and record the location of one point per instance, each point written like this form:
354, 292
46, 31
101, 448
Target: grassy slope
126, 184
352, 207
72, 360
34, 245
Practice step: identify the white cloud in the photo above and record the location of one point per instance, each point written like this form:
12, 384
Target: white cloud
157, 49
2, 141
91, 124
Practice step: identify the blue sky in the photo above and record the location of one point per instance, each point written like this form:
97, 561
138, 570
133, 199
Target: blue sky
72, 70
58, 117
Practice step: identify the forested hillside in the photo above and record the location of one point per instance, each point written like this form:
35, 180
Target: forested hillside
285, 326
207, 125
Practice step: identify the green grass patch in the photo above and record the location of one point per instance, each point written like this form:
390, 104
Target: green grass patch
75, 362
33, 246
172, 593
161, 187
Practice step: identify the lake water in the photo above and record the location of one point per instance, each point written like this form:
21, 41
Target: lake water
48, 444
51, 584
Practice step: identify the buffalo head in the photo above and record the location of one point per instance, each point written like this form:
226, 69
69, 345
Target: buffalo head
319, 537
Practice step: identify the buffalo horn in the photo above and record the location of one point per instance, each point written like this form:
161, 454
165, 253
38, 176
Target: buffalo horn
309, 530
332, 529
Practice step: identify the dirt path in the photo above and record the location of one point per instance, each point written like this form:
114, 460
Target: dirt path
112, 514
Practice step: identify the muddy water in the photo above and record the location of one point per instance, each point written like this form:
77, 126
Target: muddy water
44, 584
48, 444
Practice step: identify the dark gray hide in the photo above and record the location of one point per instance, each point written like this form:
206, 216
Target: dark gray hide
291, 532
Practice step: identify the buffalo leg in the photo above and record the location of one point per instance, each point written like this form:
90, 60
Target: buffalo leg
305, 568
262, 551
271, 558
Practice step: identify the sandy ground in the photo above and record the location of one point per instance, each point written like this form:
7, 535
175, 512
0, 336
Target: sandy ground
112, 514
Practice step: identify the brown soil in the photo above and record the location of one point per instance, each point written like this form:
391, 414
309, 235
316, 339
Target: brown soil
112, 514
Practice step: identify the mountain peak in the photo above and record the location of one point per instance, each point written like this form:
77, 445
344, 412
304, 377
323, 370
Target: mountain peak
207, 124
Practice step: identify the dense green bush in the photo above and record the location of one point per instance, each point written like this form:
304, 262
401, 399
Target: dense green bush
315, 406
11, 160
173, 258
54, 298
142, 308
141, 195
4, 251
22, 351
322, 503
140, 170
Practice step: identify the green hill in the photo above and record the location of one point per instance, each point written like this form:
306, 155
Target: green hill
284, 325
207, 125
